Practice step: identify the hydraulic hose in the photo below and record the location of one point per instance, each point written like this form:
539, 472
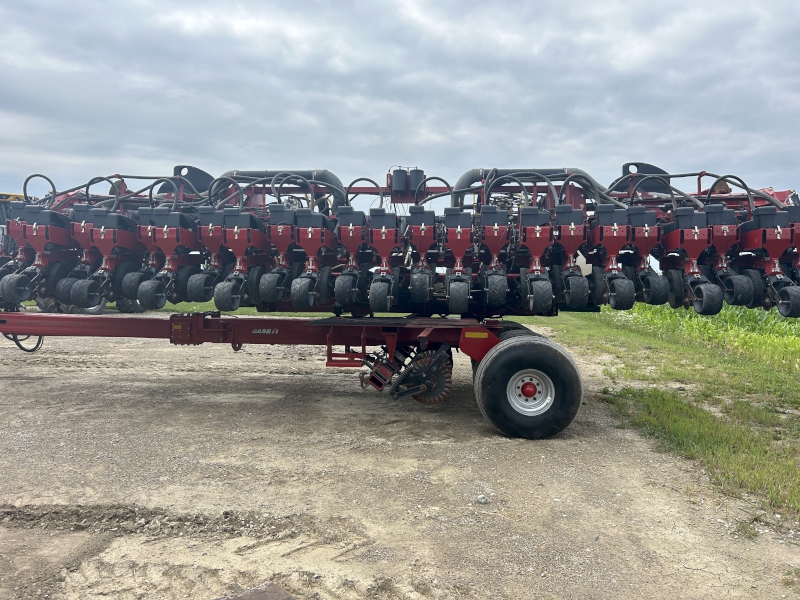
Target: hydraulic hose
323, 176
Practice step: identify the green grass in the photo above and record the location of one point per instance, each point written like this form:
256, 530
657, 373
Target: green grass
722, 390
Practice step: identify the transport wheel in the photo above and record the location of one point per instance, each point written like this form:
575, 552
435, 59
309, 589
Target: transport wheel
344, 290
254, 276
122, 271
738, 290
598, 286
56, 273
621, 294
270, 288
656, 290
131, 283
496, 289
151, 294
200, 288
379, 296
185, 273
576, 291
64, 290
16, 288
85, 293
758, 287
540, 299
458, 302
510, 330
128, 306
675, 280
709, 299
529, 387
303, 292
227, 296
420, 287
789, 303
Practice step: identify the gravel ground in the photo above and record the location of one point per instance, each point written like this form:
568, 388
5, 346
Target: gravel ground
131, 469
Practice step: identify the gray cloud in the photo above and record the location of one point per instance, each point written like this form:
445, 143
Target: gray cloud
95, 88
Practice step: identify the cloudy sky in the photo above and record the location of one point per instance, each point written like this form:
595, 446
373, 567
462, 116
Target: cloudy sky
91, 88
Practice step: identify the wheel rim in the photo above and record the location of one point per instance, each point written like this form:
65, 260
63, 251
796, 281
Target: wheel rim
530, 392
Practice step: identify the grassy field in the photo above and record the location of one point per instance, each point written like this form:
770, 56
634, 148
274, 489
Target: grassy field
721, 390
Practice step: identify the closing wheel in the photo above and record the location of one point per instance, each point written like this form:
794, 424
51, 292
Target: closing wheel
789, 301
64, 290
151, 294
16, 288
86, 293
420, 287
598, 286
621, 294
738, 290
440, 382
379, 296
496, 289
303, 292
675, 280
270, 288
131, 283
127, 306
540, 298
344, 290
48, 305
529, 387
227, 296
458, 302
708, 299
758, 287
576, 291
200, 288
656, 289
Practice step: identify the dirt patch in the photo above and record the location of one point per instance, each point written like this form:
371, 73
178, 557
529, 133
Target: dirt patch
368, 498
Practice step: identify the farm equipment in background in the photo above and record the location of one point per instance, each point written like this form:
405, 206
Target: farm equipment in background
511, 242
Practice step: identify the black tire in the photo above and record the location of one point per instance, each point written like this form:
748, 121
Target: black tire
789, 301
621, 294
270, 288
496, 290
122, 271
151, 294
322, 293
557, 279
227, 296
64, 290
458, 301
129, 307
598, 286
302, 292
540, 300
16, 288
55, 273
758, 287
507, 362
131, 283
379, 296
738, 290
656, 290
200, 287
576, 291
185, 273
675, 280
708, 299
85, 293
344, 290
420, 287
254, 276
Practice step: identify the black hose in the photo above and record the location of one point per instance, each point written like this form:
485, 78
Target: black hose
47, 179
355, 181
488, 193
422, 186
293, 178
656, 178
165, 180
94, 180
525, 175
733, 179
225, 200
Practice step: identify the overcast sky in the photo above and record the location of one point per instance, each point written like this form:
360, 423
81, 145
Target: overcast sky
93, 88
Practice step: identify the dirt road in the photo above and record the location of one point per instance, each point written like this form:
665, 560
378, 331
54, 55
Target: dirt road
133, 469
